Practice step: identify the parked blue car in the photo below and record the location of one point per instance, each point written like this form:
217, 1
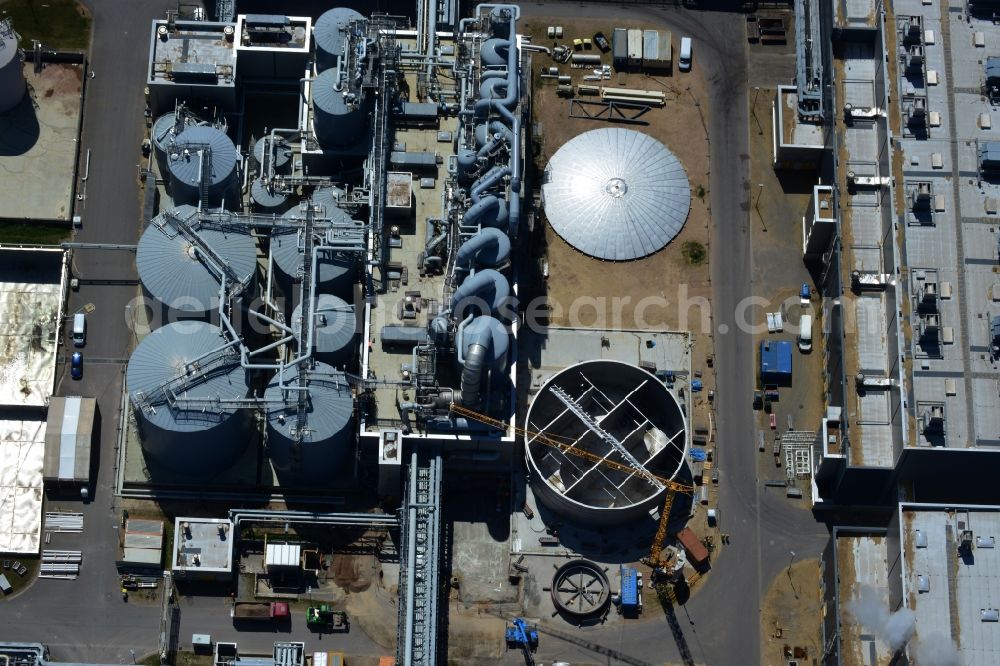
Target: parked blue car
76, 366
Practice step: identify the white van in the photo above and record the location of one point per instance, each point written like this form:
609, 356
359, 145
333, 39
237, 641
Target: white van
806, 333
684, 61
79, 329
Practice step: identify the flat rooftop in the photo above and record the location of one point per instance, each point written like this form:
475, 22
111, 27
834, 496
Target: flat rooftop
955, 244
22, 452
192, 52
272, 31
855, 14
38, 145
207, 539
793, 130
958, 586
862, 560
30, 306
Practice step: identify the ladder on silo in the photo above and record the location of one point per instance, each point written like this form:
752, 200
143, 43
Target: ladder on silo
307, 320
206, 174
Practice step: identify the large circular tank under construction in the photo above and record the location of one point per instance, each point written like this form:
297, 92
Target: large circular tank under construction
12, 84
178, 380
308, 448
203, 154
616, 194
177, 267
600, 409
335, 331
330, 35
339, 120
335, 271
580, 591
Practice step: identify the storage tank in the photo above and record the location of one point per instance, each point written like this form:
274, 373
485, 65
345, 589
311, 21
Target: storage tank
337, 119
204, 436
335, 271
636, 409
281, 154
174, 269
187, 167
330, 35
267, 198
165, 129
308, 449
335, 332
12, 84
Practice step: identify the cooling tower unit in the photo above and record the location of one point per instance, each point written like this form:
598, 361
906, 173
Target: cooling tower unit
12, 84
330, 36
336, 328
335, 271
176, 260
307, 447
608, 410
178, 379
202, 164
340, 118
616, 194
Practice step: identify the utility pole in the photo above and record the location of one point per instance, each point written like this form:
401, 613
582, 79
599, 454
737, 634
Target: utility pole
756, 205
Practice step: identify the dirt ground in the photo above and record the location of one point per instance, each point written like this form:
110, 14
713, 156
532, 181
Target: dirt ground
791, 615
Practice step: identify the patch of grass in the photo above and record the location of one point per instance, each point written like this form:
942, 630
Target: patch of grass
33, 234
58, 24
700, 192
694, 252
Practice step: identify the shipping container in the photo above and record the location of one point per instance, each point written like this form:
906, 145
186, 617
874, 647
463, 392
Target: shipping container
696, 552
630, 588
703, 494
634, 46
619, 47
656, 52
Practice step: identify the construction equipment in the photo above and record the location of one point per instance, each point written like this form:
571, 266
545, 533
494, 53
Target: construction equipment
521, 635
324, 617
672, 487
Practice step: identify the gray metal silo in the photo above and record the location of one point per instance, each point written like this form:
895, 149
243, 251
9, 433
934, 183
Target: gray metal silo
193, 431
267, 198
308, 448
339, 118
165, 128
335, 271
280, 153
330, 35
190, 166
173, 266
12, 84
335, 332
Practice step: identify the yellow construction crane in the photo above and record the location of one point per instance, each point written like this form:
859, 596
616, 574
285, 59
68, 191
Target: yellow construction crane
567, 447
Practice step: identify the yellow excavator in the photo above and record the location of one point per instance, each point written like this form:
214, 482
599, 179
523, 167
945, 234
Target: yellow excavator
672, 487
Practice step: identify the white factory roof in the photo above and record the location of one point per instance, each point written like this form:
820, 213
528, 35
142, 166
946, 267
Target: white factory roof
30, 316
282, 555
22, 449
961, 588
208, 539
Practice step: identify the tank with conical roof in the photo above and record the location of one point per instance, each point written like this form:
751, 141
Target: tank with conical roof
330, 35
267, 197
195, 432
165, 129
176, 270
190, 166
280, 156
335, 331
12, 85
308, 450
340, 118
335, 271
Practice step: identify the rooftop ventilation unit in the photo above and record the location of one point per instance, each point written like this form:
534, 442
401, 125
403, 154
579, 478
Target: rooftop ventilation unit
921, 196
916, 114
869, 280
965, 541
933, 420
914, 30
914, 59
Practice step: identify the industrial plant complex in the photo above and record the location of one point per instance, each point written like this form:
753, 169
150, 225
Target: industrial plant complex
421, 332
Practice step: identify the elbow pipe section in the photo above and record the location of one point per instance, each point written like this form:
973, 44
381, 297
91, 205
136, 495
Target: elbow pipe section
489, 212
472, 374
490, 247
492, 177
486, 288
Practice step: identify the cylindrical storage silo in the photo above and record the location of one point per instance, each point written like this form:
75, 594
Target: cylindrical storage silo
335, 332
335, 271
190, 428
280, 156
165, 129
636, 409
330, 35
12, 84
190, 166
308, 448
267, 198
338, 120
176, 270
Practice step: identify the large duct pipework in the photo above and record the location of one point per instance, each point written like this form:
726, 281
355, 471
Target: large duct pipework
490, 247
483, 348
482, 293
